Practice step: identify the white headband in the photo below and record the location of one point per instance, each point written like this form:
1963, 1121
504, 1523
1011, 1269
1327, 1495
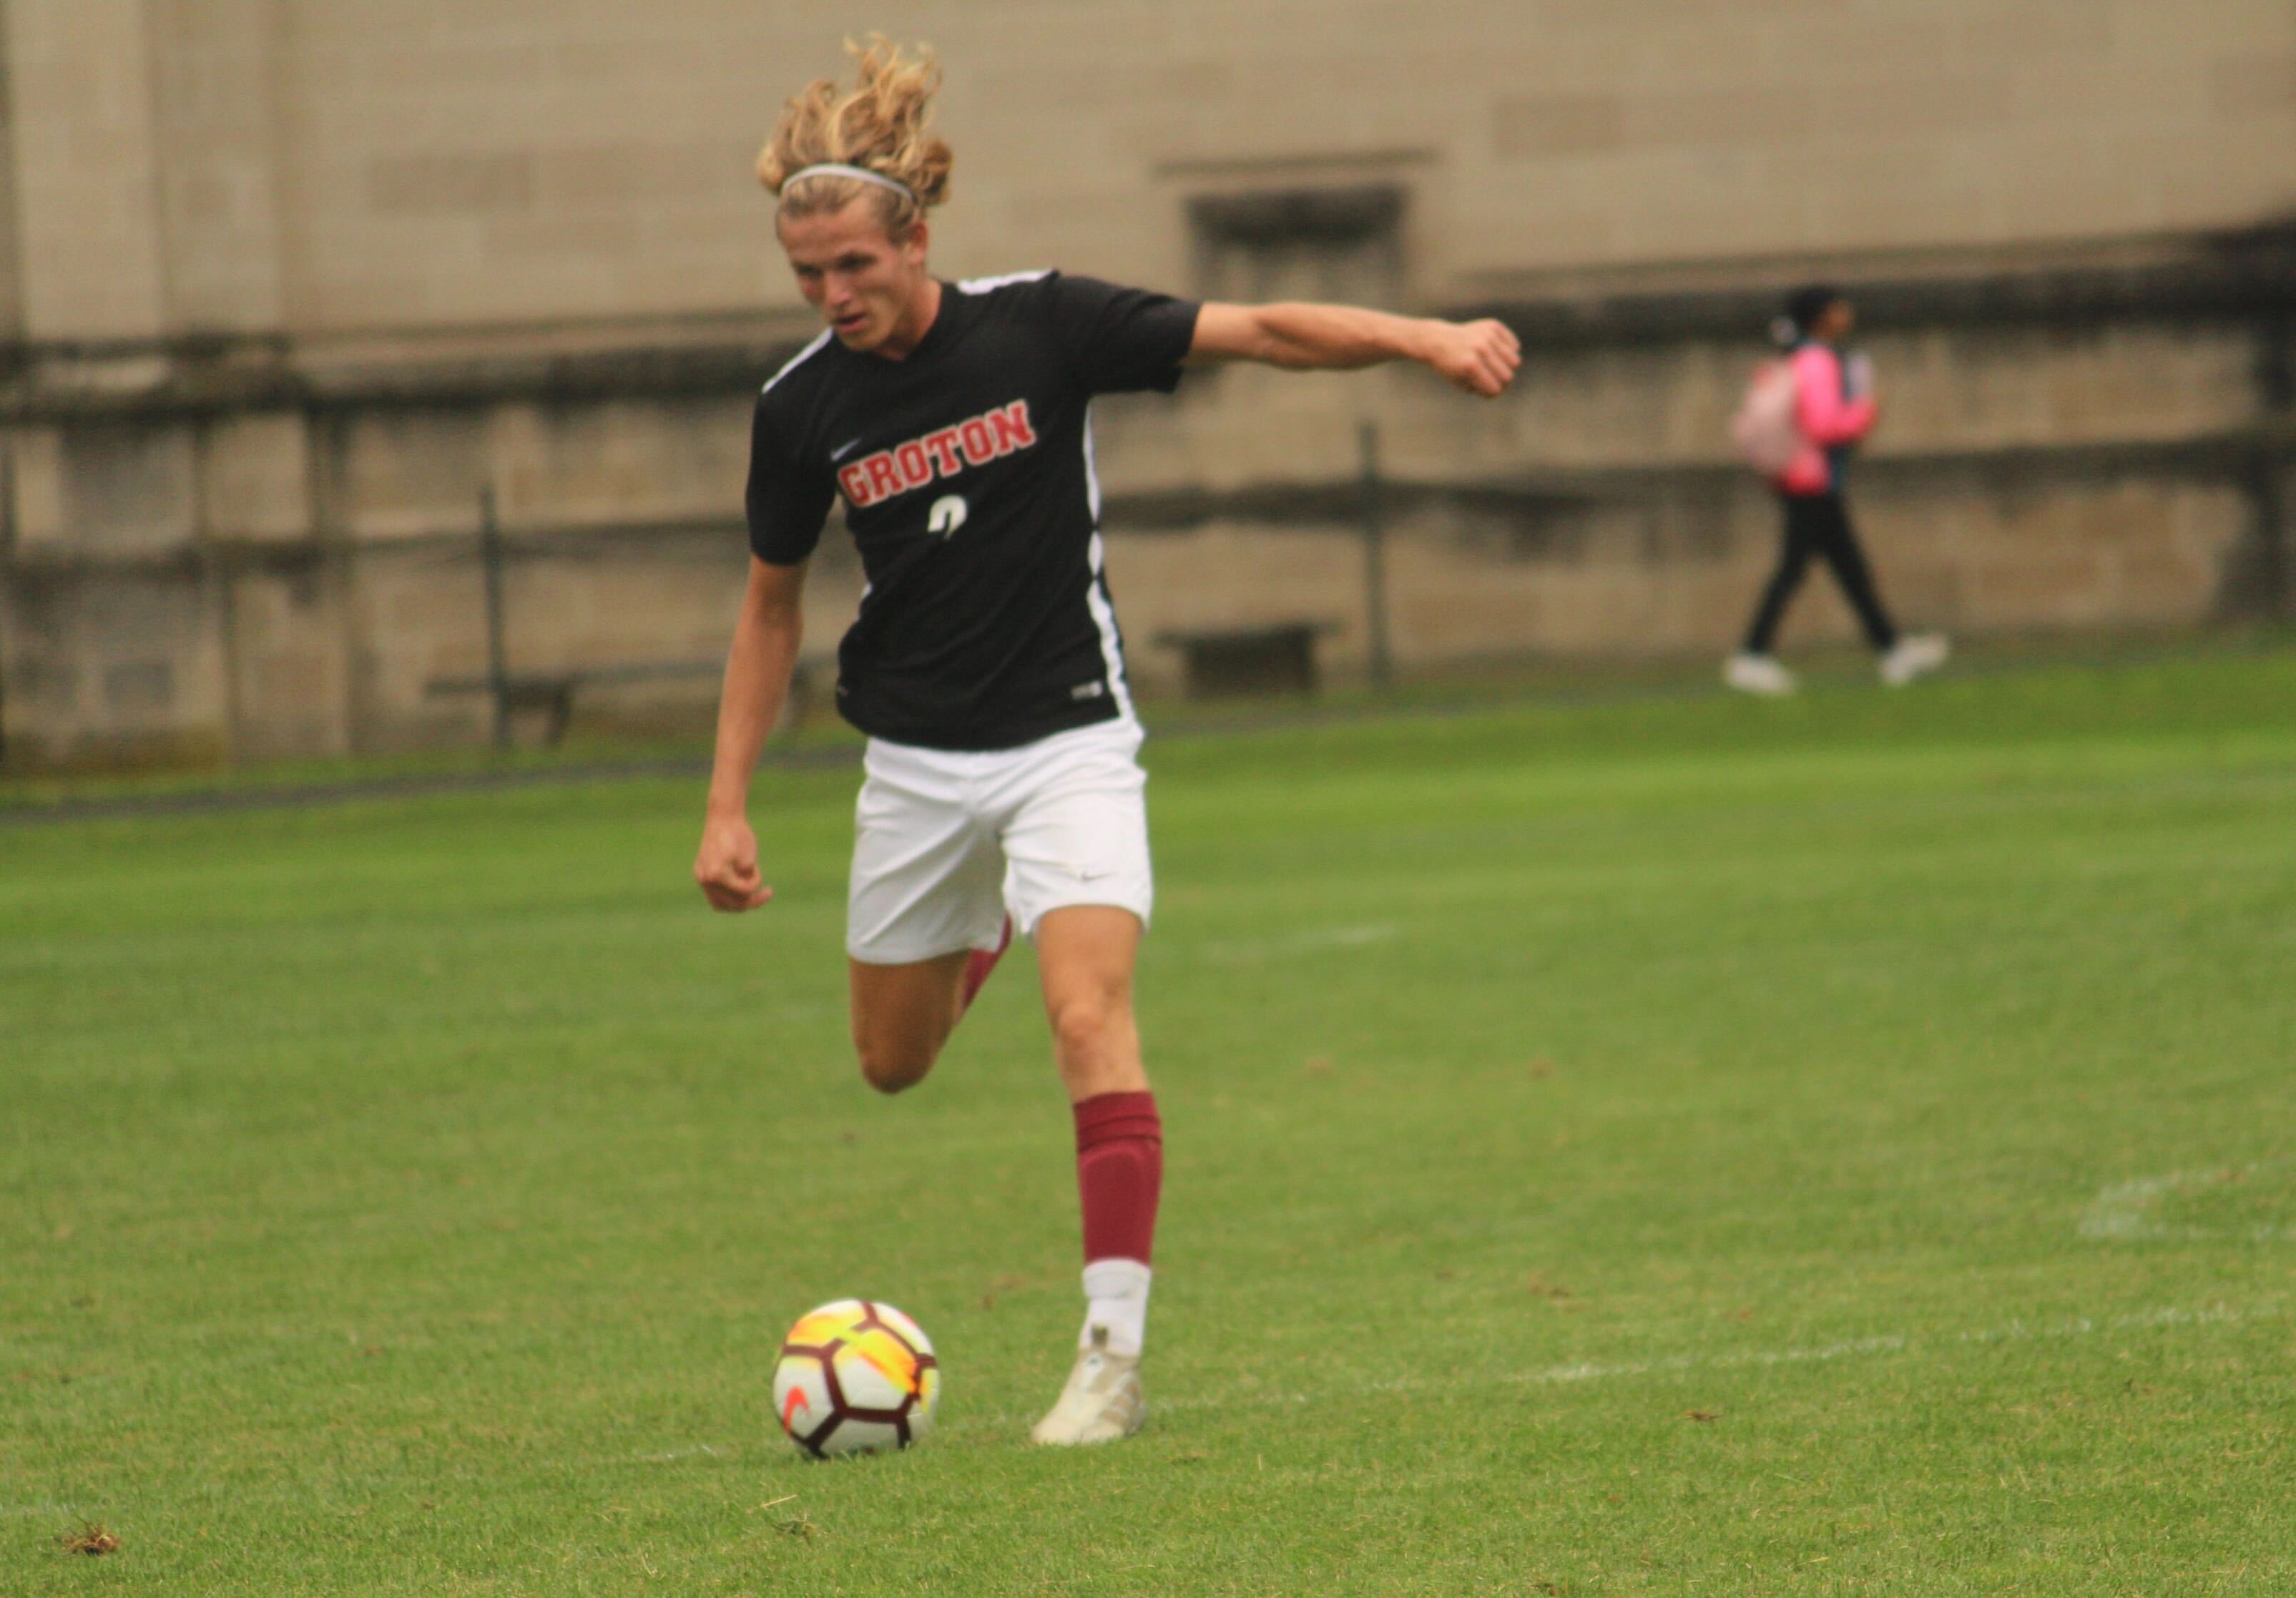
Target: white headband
839, 169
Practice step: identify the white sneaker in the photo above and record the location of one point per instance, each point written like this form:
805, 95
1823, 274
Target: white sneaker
1101, 1402
1758, 673
1913, 656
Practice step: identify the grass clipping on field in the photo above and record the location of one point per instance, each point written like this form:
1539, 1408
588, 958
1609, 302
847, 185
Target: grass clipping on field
91, 1539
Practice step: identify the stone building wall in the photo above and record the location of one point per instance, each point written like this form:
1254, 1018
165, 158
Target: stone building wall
292, 281
333, 165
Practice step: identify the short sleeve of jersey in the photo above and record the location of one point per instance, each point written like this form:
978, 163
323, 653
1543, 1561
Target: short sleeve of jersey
1121, 340
788, 501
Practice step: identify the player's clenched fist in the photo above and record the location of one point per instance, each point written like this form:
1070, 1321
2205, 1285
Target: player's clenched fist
1481, 357
728, 866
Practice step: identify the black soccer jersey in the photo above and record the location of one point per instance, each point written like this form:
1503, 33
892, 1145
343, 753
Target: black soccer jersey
967, 480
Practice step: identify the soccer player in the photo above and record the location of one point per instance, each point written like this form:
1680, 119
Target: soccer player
1834, 408
1001, 777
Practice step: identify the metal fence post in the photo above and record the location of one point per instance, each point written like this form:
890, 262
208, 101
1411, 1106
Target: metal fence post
1374, 536
491, 563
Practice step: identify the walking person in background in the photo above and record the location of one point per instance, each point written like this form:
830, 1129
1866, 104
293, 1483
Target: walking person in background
1827, 413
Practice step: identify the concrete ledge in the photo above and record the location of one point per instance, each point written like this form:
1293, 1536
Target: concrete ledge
191, 378
2205, 277
2212, 277
1531, 494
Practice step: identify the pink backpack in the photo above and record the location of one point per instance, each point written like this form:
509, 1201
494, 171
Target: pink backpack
1767, 435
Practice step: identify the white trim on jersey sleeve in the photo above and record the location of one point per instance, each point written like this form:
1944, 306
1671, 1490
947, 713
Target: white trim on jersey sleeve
989, 285
797, 360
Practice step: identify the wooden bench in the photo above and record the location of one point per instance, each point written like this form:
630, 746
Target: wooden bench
553, 692
1276, 658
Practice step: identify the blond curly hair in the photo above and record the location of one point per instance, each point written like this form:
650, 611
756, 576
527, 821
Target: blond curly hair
880, 127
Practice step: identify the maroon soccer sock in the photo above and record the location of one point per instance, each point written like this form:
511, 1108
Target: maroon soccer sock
1119, 1174
979, 964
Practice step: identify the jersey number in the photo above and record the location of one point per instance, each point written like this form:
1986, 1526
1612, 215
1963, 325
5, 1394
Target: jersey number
947, 515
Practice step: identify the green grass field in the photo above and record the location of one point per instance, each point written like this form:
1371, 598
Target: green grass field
1668, 1146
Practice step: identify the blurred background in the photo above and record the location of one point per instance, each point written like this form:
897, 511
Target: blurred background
378, 372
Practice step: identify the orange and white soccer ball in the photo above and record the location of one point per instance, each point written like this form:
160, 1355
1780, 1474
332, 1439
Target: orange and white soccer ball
854, 1377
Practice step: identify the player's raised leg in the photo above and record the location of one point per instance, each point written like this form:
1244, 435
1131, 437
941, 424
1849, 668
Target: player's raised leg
925, 901
1087, 954
902, 1016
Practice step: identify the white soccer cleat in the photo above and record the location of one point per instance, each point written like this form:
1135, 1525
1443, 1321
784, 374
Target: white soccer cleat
1913, 656
1758, 673
1102, 1402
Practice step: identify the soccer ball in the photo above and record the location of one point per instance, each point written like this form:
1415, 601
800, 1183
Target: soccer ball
854, 1377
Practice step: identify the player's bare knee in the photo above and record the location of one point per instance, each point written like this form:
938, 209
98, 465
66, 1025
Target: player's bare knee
1088, 1025
894, 1059
892, 1069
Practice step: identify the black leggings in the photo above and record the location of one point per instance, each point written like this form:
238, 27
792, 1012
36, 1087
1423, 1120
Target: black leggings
1818, 524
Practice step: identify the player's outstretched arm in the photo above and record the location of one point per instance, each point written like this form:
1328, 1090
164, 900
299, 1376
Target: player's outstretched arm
1481, 357
758, 670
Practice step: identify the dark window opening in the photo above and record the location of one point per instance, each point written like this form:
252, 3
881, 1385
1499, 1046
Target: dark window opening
1330, 244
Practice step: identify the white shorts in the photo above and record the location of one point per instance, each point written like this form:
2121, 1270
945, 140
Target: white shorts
946, 843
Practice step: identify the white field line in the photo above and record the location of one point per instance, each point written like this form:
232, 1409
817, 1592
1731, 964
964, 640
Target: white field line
2123, 1212
1252, 951
1812, 1353
1889, 1343
1737, 1359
